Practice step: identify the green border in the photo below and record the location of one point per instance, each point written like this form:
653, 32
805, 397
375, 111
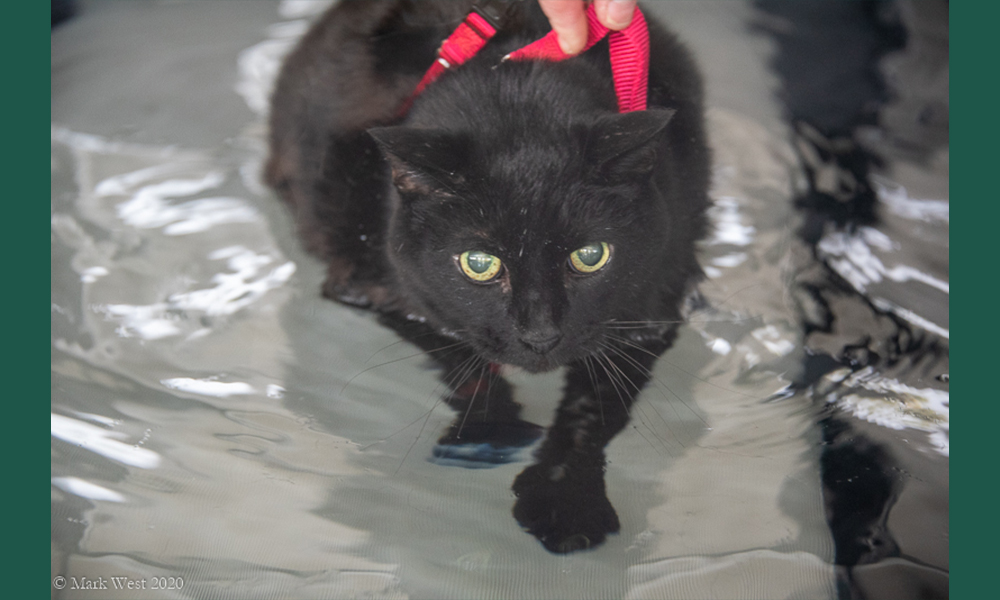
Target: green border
27, 285
973, 34
973, 45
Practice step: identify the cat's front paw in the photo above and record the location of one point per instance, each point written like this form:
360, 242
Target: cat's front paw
341, 287
565, 508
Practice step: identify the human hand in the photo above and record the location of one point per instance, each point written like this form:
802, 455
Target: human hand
569, 19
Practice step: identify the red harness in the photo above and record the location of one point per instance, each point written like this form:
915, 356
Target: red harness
629, 49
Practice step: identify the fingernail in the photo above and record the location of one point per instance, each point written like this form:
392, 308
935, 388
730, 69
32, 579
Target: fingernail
567, 48
569, 45
620, 12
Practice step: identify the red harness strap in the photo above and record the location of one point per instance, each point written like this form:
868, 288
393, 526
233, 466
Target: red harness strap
629, 49
467, 39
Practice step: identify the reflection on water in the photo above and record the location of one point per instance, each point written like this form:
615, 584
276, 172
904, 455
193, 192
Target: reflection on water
214, 419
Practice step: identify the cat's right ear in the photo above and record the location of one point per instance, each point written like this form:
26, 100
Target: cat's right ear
624, 146
422, 160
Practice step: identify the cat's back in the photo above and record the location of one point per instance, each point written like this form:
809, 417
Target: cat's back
353, 69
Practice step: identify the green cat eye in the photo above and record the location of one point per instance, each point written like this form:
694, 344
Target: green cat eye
590, 258
479, 266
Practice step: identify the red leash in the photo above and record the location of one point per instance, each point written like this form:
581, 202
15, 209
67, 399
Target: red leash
467, 39
629, 49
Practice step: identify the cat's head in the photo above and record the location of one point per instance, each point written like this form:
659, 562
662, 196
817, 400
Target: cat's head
527, 248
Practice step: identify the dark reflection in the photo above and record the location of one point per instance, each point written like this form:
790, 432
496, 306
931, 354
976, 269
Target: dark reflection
62, 11
862, 481
859, 487
836, 94
827, 59
863, 478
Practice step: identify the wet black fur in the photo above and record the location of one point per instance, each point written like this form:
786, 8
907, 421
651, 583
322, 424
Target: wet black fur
527, 161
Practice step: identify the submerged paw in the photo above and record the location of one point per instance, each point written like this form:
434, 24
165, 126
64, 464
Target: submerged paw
563, 513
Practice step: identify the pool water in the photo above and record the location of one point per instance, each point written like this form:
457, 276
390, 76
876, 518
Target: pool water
221, 431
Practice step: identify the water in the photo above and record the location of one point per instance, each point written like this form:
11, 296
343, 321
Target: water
219, 428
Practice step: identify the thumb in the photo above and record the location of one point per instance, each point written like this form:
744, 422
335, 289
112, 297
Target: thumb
614, 14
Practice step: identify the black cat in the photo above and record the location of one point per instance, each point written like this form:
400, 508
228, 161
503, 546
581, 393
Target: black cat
511, 217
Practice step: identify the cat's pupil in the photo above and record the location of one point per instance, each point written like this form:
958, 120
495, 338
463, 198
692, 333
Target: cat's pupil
479, 262
590, 255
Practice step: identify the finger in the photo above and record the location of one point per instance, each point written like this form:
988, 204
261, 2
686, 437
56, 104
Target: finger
614, 14
569, 21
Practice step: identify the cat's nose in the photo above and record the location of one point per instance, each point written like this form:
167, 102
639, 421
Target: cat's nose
541, 341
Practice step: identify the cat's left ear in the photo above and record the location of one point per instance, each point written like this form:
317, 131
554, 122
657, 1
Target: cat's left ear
422, 159
622, 147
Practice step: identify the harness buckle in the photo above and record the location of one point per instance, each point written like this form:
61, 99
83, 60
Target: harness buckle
495, 12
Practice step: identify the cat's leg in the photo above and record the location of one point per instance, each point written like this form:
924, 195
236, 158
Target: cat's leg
487, 429
344, 223
561, 499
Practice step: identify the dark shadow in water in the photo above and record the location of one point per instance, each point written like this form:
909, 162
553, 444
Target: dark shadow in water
831, 86
62, 11
827, 61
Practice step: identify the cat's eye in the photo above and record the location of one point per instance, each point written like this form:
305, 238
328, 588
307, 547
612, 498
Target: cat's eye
479, 266
590, 258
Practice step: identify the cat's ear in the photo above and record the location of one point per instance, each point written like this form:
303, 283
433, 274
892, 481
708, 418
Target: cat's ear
622, 147
422, 160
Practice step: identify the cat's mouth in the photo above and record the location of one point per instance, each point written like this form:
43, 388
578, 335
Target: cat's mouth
525, 360
532, 353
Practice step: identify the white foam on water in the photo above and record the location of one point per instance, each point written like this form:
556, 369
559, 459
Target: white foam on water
889, 403
86, 489
856, 263
771, 338
851, 257
720, 346
911, 317
730, 260
246, 282
260, 64
102, 441
896, 199
729, 229
209, 387
149, 208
